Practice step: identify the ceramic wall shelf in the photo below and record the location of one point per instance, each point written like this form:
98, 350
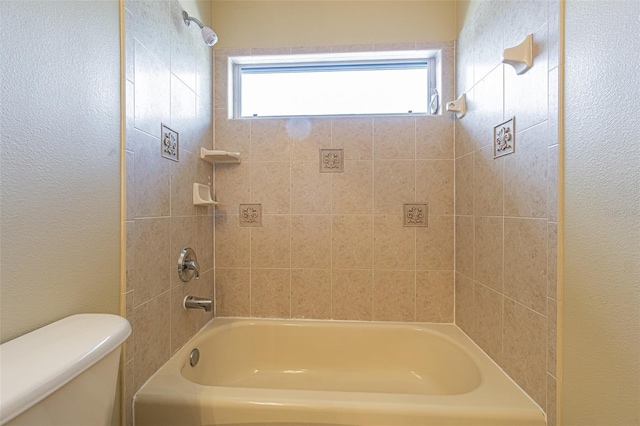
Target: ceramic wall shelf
219, 157
202, 195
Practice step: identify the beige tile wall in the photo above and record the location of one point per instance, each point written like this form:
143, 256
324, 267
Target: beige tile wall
168, 80
506, 208
333, 245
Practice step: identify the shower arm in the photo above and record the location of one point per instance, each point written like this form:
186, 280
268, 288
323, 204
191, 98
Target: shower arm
208, 35
187, 20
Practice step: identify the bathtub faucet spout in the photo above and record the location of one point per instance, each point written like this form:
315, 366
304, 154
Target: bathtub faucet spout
192, 302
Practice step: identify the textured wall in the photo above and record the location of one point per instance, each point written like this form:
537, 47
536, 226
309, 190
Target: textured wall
601, 349
60, 161
506, 208
333, 245
252, 24
169, 81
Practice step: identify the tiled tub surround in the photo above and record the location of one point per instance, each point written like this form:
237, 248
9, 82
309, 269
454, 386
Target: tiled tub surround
169, 81
332, 244
506, 208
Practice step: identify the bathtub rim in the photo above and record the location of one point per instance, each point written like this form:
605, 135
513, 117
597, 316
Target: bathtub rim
226, 397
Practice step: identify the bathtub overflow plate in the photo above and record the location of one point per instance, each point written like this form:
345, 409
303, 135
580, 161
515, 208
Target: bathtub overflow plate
194, 357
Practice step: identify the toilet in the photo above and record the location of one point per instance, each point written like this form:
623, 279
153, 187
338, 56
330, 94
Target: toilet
65, 373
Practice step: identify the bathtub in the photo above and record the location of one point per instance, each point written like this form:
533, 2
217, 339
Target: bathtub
297, 372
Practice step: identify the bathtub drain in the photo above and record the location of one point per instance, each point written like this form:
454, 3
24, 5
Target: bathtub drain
194, 357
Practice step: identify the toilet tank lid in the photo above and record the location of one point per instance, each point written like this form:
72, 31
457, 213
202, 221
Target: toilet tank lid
35, 365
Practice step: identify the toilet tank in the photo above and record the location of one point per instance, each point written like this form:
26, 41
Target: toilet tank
65, 373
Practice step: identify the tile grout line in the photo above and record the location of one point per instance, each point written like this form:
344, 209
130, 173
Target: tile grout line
531, 310
250, 228
171, 170
290, 220
454, 201
415, 231
504, 184
331, 223
473, 201
213, 178
373, 211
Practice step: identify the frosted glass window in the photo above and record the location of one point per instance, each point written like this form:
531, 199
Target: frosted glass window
333, 89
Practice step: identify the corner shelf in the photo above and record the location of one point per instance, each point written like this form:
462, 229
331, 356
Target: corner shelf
202, 195
219, 157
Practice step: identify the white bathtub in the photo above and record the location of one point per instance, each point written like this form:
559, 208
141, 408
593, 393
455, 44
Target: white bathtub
288, 372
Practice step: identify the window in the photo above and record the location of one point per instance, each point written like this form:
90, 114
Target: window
346, 84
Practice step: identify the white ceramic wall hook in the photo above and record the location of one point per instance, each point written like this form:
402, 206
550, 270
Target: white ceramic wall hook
520, 57
459, 106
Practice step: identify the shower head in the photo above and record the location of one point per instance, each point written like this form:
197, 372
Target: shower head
208, 35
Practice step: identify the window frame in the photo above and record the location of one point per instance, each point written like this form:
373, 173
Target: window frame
287, 61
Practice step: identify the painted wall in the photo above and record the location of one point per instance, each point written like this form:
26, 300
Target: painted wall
200, 9
333, 245
253, 24
506, 208
60, 195
168, 71
601, 347
465, 10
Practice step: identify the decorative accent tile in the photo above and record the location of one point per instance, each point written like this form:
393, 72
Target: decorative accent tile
170, 144
416, 214
250, 214
331, 161
504, 138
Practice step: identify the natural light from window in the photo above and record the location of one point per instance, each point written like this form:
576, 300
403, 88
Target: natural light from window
398, 88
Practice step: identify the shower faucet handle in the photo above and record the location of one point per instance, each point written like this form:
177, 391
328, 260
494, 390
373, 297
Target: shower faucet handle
188, 266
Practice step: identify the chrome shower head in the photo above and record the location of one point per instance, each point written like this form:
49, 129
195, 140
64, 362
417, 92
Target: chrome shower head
208, 35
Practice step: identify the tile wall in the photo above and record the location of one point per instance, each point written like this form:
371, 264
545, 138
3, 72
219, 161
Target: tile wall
506, 219
169, 81
333, 245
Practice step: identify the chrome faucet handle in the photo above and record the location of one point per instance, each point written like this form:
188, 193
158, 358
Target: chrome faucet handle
188, 266
194, 266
